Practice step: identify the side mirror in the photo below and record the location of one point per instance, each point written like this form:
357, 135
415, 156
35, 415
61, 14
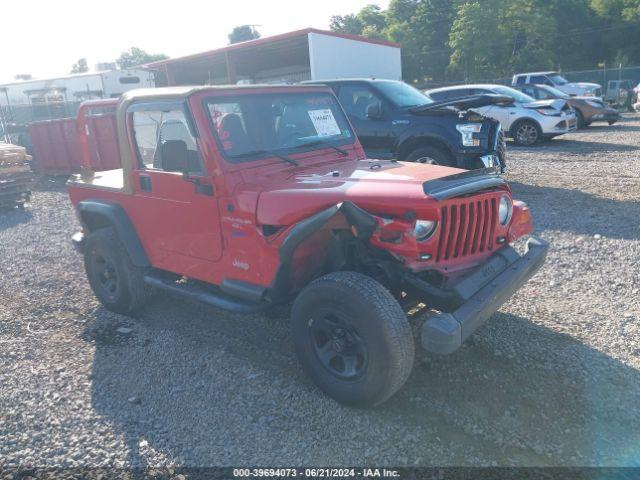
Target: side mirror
175, 156
374, 110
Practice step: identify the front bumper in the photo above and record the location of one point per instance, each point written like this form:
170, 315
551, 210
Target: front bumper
476, 297
553, 126
608, 115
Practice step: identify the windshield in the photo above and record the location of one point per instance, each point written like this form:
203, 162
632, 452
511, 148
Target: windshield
253, 126
558, 79
402, 95
555, 92
513, 93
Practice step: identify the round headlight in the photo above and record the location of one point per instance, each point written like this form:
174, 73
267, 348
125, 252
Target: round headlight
424, 229
505, 209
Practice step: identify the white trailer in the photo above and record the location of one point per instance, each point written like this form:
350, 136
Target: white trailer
74, 88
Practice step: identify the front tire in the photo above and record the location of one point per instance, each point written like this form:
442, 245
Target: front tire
352, 338
115, 281
526, 133
580, 119
431, 155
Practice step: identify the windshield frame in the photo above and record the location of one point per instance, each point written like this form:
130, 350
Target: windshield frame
272, 153
554, 76
376, 85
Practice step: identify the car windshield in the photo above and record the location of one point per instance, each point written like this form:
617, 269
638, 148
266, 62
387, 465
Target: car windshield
558, 79
555, 92
513, 93
402, 95
252, 126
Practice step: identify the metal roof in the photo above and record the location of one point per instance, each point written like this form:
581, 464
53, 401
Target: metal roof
265, 41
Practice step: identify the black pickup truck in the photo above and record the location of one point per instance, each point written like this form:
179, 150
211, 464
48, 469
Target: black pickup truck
394, 120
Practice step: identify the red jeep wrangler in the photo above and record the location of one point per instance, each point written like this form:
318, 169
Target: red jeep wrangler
245, 197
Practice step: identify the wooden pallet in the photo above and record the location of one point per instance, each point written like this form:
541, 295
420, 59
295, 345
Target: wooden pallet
13, 154
16, 176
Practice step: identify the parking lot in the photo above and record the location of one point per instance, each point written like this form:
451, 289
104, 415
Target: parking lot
552, 379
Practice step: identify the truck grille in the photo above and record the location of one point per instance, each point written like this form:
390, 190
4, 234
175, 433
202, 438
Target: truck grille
467, 229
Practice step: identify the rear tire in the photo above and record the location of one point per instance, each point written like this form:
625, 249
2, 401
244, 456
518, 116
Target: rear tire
352, 338
431, 155
526, 133
115, 281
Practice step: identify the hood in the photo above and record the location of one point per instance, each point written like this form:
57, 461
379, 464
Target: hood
378, 186
465, 103
556, 104
585, 85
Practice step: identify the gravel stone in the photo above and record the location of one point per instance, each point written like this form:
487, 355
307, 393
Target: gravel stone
552, 379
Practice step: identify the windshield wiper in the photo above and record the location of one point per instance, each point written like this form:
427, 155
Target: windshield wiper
267, 152
314, 143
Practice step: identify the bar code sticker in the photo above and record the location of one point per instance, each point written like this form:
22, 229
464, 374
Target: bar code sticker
324, 122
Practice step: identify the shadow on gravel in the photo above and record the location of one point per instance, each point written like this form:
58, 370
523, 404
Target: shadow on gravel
616, 127
575, 146
49, 183
608, 217
14, 216
205, 387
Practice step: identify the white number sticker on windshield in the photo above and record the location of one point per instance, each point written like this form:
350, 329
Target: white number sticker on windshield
324, 122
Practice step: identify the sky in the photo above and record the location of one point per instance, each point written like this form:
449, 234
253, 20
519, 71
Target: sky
45, 38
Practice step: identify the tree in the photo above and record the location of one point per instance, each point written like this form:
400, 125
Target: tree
243, 33
346, 24
422, 28
136, 56
451, 40
370, 21
80, 66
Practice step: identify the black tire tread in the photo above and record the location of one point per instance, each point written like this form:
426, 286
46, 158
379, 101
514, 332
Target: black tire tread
398, 329
137, 291
518, 123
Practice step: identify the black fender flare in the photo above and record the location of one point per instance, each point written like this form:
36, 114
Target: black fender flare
95, 214
363, 222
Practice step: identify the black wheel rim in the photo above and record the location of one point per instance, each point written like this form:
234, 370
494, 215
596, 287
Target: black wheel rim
527, 134
338, 346
106, 274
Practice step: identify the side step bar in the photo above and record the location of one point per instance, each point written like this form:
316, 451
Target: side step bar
214, 299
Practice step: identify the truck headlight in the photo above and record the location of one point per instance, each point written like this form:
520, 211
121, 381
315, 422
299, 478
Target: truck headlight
505, 210
466, 131
424, 229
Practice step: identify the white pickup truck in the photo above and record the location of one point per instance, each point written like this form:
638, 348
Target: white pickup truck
554, 79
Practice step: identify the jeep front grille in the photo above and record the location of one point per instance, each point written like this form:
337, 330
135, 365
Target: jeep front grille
467, 229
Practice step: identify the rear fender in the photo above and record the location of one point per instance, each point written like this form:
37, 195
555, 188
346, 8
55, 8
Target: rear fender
96, 214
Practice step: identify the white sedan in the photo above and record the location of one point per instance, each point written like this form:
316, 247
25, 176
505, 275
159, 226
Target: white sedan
527, 121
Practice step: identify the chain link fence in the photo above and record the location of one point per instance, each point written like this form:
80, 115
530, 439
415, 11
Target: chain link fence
601, 76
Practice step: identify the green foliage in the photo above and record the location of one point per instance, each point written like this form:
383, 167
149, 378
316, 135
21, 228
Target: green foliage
243, 33
452, 40
136, 56
80, 66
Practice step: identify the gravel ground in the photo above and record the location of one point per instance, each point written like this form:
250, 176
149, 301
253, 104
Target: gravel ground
552, 379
